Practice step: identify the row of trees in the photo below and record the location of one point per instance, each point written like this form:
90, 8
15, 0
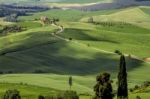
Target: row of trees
11, 18
103, 88
107, 23
6, 10
12, 29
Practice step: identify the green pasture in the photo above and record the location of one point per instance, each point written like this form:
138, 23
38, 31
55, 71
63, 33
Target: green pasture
89, 52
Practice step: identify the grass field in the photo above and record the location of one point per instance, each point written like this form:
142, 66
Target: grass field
91, 51
109, 38
66, 15
51, 84
27, 91
29, 25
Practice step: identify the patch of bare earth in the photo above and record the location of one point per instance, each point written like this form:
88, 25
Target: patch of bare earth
147, 59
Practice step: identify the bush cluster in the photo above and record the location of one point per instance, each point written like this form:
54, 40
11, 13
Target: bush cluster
10, 29
12, 94
62, 95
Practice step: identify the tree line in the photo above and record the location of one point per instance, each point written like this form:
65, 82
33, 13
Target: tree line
6, 10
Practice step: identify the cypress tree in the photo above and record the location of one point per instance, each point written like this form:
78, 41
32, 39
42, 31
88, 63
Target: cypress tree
70, 82
122, 80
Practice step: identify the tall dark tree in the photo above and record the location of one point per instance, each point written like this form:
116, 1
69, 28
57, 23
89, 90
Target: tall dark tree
103, 88
70, 82
122, 80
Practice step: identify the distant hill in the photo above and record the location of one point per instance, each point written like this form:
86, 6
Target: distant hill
114, 5
19, 10
64, 1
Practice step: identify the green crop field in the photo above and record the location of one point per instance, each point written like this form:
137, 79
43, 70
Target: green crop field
82, 50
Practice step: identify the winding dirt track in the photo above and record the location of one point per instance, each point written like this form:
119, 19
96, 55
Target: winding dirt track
61, 29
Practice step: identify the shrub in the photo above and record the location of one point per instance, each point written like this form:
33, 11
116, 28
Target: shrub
146, 84
68, 95
90, 20
118, 52
14, 28
70, 39
136, 87
138, 97
41, 97
12, 94
131, 90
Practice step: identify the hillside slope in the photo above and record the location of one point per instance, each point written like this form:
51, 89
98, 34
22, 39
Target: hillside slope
137, 16
37, 50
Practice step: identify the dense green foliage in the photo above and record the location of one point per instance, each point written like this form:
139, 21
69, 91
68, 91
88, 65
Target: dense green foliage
12, 94
103, 88
68, 95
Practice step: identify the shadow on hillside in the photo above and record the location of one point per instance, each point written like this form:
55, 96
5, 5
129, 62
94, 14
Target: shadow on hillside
49, 58
80, 34
30, 40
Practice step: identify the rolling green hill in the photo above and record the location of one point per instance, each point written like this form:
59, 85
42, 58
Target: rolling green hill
42, 51
111, 38
89, 51
145, 9
130, 15
39, 50
135, 15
